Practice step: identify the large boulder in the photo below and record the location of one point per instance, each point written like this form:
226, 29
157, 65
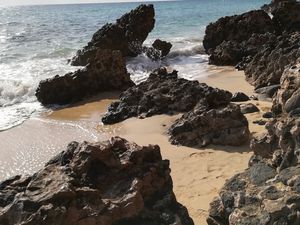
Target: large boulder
268, 64
201, 127
237, 28
107, 72
109, 183
287, 99
129, 30
274, 4
164, 93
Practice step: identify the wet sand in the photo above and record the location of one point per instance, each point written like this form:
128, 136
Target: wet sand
197, 174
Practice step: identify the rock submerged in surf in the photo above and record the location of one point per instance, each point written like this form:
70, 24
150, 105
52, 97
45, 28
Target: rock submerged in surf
164, 93
108, 183
107, 72
133, 27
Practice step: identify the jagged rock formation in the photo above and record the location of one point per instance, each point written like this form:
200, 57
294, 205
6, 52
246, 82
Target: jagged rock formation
201, 127
288, 96
286, 16
236, 28
258, 196
274, 4
106, 73
267, 66
109, 183
129, 30
163, 46
268, 191
164, 93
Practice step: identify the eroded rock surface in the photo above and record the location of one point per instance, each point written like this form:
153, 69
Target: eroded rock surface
267, 66
258, 196
106, 73
203, 126
164, 93
130, 30
109, 183
287, 99
163, 46
237, 28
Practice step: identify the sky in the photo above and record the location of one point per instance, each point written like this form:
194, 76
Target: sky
39, 2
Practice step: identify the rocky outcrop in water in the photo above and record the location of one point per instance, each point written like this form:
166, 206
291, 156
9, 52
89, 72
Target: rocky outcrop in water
163, 46
201, 127
129, 30
109, 183
274, 4
106, 73
164, 93
236, 28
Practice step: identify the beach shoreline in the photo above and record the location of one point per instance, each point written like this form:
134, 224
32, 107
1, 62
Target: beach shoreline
208, 168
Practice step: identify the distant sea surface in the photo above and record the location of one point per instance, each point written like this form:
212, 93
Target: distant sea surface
37, 41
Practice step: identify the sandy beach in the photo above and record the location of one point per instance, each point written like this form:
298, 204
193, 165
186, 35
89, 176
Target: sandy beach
197, 174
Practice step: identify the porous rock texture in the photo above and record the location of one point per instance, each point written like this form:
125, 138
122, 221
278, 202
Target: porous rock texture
287, 99
106, 183
203, 126
237, 28
164, 93
129, 30
267, 66
106, 73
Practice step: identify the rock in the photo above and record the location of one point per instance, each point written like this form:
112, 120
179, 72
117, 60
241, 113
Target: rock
107, 73
130, 30
260, 122
267, 92
163, 46
274, 4
236, 28
286, 15
267, 66
201, 127
249, 108
268, 115
110, 183
164, 93
260, 198
281, 142
288, 96
240, 97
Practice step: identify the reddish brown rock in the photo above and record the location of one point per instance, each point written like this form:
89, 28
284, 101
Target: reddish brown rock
109, 183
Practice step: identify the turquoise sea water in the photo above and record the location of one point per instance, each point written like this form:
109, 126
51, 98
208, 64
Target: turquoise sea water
37, 41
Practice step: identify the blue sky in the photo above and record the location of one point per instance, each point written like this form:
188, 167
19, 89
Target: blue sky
38, 2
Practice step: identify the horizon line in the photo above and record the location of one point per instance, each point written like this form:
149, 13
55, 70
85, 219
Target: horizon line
83, 3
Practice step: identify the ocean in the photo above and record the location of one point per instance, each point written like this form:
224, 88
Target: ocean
37, 41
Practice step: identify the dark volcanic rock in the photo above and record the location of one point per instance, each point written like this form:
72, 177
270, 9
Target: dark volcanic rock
248, 108
267, 65
200, 127
274, 4
164, 93
107, 73
286, 15
109, 183
236, 28
130, 30
240, 97
248, 199
163, 46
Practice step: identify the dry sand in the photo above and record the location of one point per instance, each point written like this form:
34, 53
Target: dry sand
197, 174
